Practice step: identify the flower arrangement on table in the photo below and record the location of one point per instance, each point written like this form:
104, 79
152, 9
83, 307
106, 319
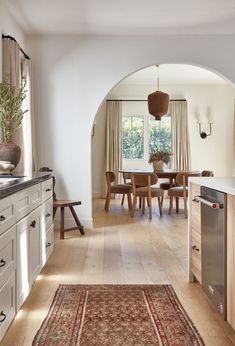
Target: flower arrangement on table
160, 155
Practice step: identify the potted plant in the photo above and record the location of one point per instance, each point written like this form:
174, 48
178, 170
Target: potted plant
158, 158
11, 116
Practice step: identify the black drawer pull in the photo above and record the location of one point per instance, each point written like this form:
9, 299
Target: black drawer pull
195, 248
48, 190
33, 224
2, 263
48, 244
2, 218
4, 316
195, 200
48, 215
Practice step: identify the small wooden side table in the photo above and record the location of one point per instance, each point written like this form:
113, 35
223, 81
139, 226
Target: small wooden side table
62, 204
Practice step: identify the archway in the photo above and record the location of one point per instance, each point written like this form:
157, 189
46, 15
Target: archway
208, 96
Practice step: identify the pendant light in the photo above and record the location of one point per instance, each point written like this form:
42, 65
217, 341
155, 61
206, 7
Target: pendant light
158, 101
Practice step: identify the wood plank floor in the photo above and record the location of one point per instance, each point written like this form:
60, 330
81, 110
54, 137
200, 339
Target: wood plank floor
121, 250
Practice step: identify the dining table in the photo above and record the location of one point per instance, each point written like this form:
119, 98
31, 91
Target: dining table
166, 173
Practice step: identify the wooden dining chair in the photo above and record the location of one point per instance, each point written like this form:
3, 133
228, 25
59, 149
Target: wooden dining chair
181, 190
206, 173
113, 188
127, 180
142, 184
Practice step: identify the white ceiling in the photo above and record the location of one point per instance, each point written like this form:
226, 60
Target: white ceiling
124, 16
174, 74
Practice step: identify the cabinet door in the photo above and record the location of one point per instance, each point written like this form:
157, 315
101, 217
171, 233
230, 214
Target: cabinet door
22, 272
35, 263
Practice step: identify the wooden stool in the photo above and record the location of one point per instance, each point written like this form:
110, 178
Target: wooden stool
63, 204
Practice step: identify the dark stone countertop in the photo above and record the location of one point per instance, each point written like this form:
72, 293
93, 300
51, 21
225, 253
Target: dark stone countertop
23, 181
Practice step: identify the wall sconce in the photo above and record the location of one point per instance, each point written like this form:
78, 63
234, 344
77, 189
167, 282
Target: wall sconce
205, 129
205, 133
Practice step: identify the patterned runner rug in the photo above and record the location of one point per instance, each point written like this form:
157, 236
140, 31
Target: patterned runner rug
117, 315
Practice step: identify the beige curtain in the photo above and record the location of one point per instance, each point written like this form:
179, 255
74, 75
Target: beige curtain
28, 121
180, 135
15, 68
113, 137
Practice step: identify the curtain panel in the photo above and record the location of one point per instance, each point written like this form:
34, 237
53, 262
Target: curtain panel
17, 70
113, 137
180, 135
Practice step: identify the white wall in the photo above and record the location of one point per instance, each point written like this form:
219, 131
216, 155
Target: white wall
72, 75
213, 153
9, 27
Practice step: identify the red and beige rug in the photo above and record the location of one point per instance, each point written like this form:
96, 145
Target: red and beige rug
117, 315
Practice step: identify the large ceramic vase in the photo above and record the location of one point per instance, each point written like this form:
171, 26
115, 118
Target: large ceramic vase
158, 165
10, 152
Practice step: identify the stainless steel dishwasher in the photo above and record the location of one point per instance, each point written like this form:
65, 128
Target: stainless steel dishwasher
213, 246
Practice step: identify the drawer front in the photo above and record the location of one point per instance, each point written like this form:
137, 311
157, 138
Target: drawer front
28, 200
47, 215
196, 255
196, 208
34, 245
22, 270
7, 213
7, 304
48, 244
7, 254
47, 189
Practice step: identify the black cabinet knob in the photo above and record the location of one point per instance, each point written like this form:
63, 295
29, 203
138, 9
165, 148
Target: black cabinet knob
33, 224
48, 244
2, 316
2, 218
2, 263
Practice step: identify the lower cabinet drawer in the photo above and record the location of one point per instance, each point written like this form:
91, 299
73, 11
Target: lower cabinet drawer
47, 215
7, 254
47, 189
7, 213
47, 244
7, 304
196, 258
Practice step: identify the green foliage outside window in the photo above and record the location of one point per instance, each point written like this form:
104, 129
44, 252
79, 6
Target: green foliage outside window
133, 137
160, 134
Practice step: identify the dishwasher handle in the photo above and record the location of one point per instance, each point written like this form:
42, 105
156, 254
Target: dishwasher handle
213, 205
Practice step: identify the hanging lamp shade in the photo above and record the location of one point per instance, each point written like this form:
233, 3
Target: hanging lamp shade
158, 103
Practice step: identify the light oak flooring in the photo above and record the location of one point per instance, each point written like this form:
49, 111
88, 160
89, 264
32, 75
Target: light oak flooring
121, 250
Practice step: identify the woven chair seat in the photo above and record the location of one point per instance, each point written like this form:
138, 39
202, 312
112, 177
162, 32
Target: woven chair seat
155, 192
121, 188
177, 191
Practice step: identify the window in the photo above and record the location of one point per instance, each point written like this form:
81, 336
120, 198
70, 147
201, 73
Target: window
133, 137
160, 134
142, 135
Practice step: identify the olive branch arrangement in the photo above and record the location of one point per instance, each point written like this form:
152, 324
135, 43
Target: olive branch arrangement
11, 112
160, 155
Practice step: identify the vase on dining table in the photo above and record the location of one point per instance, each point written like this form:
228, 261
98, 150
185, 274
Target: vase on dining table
158, 165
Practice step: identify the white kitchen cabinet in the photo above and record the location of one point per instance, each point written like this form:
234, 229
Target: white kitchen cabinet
26, 242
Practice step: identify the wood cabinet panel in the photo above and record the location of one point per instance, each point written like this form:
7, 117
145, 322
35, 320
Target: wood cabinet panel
7, 254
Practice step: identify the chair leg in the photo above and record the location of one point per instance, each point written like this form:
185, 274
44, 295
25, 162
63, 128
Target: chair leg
160, 205
129, 201
171, 205
133, 206
54, 211
62, 223
107, 202
150, 207
140, 202
143, 205
177, 204
123, 198
80, 227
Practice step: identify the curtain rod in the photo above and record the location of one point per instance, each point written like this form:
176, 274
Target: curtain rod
13, 39
141, 100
